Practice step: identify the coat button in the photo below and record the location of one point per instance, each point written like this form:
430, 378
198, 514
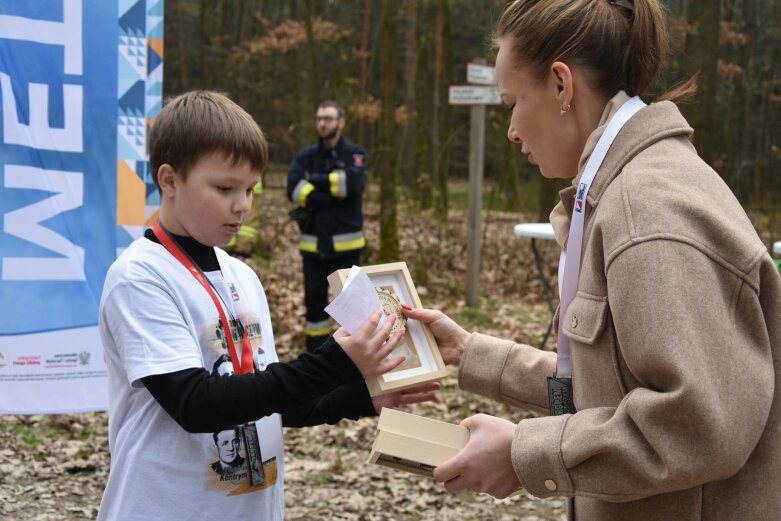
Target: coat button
573, 322
551, 485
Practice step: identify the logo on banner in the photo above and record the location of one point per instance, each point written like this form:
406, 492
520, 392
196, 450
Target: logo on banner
580, 199
84, 357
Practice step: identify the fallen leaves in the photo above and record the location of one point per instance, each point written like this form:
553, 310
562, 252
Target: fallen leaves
55, 467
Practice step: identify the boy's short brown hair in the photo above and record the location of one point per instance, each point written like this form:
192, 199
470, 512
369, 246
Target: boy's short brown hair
198, 123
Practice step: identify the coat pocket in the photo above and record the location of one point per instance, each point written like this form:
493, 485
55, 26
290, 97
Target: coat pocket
585, 318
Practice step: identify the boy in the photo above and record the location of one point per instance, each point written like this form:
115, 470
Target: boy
189, 346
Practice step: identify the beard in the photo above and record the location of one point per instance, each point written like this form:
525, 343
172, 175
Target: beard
330, 135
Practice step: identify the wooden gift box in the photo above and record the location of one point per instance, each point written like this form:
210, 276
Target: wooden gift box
415, 443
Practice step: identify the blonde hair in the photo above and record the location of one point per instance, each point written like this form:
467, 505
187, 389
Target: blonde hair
198, 123
622, 43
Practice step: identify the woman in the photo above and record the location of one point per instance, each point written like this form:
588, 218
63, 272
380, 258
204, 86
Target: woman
672, 320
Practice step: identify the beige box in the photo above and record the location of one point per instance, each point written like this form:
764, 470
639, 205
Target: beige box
423, 361
415, 443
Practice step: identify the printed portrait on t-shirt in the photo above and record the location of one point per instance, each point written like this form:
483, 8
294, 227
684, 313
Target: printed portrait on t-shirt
230, 464
228, 469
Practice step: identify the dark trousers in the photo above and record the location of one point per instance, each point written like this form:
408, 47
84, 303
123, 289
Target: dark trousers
316, 271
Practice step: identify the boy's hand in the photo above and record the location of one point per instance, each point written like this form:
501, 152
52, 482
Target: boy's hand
451, 338
369, 350
418, 394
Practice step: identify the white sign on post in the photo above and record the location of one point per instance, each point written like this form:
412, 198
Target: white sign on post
486, 92
473, 95
480, 74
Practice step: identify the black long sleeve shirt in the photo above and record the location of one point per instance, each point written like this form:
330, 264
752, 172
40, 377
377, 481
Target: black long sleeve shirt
320, 387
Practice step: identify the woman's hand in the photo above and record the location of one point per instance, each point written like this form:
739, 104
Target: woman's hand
485, 463
418, 394
369, 350
451, 338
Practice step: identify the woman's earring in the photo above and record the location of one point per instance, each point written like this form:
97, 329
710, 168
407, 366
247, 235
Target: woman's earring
564, 110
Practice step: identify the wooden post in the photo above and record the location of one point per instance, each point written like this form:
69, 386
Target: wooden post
477, 96
476, 163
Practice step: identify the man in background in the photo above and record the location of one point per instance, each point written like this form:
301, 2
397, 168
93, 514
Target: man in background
326, 182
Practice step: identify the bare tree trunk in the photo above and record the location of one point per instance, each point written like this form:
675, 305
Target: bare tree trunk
441, 114
703, 48
314, 66
363, 59
409, 126
176, 71
751, 147
239, 31
364, 51
223, 14
205, 45
441, 198
389, 232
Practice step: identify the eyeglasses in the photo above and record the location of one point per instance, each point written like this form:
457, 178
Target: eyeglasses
326, 119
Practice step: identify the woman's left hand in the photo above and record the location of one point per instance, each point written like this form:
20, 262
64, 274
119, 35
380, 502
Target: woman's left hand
418, 394
485, 463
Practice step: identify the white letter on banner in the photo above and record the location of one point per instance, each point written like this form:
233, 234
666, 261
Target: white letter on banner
25, 224
66, 33
38, 134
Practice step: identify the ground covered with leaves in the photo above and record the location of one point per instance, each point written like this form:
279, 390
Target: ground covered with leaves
55, 467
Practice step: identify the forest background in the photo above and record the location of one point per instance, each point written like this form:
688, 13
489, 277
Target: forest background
390, 63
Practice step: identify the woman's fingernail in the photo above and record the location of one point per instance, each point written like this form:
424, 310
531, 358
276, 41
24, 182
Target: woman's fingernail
406, 307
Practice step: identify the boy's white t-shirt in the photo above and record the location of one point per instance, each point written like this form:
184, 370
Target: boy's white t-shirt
155, 319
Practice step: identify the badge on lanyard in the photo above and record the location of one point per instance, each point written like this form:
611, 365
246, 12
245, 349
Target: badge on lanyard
560, 396
254, 459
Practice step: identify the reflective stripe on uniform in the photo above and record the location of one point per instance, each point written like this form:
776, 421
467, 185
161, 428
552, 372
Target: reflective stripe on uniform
302, 191
338, 182
247, 231
320, 328
308, 243
349, 241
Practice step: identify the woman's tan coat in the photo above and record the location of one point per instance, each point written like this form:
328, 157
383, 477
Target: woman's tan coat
676, 345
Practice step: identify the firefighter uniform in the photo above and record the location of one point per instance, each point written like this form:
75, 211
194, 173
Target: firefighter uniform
327, 188
246, 242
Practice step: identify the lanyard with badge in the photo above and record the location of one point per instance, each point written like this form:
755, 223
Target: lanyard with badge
242, 365
560, 398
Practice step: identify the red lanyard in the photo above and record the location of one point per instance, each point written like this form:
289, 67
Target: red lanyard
246, 365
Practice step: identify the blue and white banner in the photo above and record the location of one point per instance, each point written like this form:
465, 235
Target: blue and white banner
80, 81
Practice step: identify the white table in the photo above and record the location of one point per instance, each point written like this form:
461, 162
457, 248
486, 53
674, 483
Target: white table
777, 248
540, 231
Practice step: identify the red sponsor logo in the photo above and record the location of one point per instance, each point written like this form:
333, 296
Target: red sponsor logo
27, 360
